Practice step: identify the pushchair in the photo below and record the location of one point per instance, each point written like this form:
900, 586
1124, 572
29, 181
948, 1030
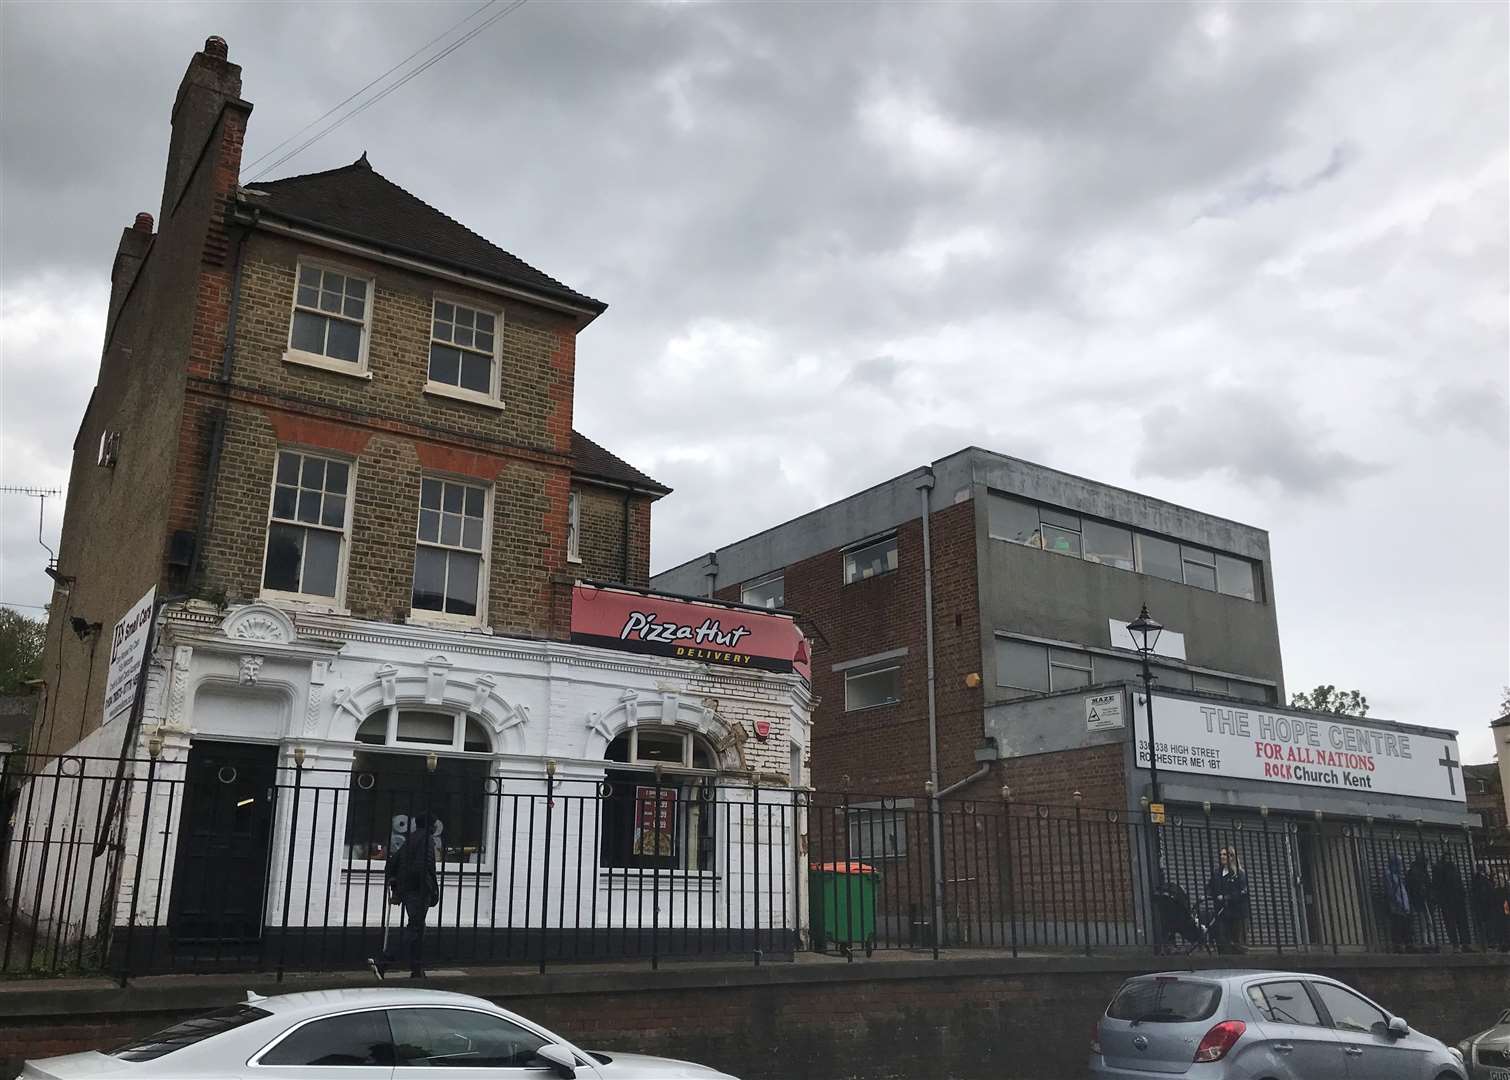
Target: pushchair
1178, 918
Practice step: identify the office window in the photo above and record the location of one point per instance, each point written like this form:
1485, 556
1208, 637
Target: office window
464, 348
1159, 558
1211, 684
1108, 545
449, 554
1235, 577
1022, 665
767, 593
1200, 567
1012, 520
307, 525
574, 527
1111, 669
867, 689
1168, 678
1256, 692
1068, 669
330, 315
870, 561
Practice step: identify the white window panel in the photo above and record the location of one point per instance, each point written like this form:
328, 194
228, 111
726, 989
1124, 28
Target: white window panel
450, 556
331, 316
309, 523
464, 349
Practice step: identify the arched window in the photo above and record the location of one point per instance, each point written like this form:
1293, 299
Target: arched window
392, 784
678, 835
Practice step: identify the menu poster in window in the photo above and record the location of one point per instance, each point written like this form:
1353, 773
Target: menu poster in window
1343, 753
654, 832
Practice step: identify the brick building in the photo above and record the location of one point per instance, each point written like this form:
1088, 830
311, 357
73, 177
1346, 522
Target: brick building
333, 431
969, 629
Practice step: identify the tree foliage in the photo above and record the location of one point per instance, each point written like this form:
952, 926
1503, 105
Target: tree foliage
21, 641
1328, 698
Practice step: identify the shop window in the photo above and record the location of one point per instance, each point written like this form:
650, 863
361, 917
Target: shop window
768, 592
1108, 545
666, 822
871, 560
308, 526
392, 784
1235, 577
868, 689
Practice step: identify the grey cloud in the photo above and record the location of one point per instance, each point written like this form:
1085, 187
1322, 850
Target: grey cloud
1264, 188
1248, 438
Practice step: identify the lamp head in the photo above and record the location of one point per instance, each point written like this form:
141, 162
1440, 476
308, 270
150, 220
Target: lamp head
1145, 632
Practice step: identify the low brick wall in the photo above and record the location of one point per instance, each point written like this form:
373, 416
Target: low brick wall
961, 1019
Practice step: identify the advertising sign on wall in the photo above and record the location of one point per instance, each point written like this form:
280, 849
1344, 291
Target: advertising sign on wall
1294, 749
1103, 712
128, 644
686, 630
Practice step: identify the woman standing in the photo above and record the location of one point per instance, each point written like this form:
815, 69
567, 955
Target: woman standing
1228, 889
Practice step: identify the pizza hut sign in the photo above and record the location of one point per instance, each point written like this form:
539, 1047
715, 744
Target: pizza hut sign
687, 630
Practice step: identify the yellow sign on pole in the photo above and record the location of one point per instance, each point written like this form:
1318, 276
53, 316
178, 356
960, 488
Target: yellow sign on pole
1156, 813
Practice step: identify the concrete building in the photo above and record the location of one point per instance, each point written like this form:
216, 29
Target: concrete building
968, 621
331, 452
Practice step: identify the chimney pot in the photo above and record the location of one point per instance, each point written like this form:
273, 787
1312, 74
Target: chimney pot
215, 46
143, 222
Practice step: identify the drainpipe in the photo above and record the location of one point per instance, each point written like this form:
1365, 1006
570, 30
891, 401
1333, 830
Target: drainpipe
925, 488
979, 774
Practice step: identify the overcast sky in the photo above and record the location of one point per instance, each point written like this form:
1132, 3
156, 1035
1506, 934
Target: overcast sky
1249, 258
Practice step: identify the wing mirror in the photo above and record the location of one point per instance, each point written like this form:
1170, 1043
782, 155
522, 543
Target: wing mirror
561, 1060
1398, 1028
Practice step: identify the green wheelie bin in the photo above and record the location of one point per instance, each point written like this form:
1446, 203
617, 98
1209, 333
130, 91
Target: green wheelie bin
842, 899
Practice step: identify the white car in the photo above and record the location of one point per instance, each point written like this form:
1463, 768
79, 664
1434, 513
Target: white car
373, 1034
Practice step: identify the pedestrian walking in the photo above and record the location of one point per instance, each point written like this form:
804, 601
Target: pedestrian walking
1451, 899
1228, 890
1397, 900
1486, 910
1418, 885
412, 882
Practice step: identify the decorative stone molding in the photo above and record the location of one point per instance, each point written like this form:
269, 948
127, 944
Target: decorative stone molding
178, 686
436, 684
259, 622
667, 709
439, 669
249, 669
319, 670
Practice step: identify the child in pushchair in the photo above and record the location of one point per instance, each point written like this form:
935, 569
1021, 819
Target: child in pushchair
1178, 918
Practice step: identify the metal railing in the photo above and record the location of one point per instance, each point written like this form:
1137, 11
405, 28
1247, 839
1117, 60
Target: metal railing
260, 863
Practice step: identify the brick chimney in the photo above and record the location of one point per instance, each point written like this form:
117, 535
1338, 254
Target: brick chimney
135, 240
210, 82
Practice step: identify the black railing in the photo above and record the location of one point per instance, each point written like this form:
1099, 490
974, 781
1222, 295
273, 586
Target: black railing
240, 861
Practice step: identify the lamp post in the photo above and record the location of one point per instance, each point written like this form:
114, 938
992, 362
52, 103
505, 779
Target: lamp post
1145, 634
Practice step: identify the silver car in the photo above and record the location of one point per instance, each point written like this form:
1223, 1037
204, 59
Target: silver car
374, 1034
1487, 1054
1259, 1025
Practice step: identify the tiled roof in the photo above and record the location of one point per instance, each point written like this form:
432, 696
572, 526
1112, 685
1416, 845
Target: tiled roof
359, 203
592, 461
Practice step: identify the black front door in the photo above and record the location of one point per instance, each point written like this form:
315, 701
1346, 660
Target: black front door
220, 873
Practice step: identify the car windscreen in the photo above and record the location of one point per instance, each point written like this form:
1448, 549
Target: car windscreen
188, 1033
1165, 1000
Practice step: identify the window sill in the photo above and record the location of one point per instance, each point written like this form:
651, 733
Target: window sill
436, 620
877, 705
325, 363
577, 559
455, 393
319, 605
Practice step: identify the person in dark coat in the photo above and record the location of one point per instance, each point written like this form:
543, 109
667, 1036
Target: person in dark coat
1228, 890
1418, 885
1397, 901
1451, 899
1502, 898
412, 880
1486, 909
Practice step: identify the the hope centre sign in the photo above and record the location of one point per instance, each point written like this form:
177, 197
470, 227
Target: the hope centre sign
1344, 754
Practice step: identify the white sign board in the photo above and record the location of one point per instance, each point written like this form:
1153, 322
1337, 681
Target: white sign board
1103, 712
1169, 643
128, 644
1344, 754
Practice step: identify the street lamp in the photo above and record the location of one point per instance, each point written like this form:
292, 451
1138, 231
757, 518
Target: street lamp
1145, 634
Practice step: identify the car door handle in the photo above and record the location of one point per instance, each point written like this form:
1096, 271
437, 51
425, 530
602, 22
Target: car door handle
1283, 1048
1353, 1050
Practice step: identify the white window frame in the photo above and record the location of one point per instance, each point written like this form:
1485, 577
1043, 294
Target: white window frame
855, 549
357, 368
745, 589
860, 673
689, 742
493, 398
574, 526
424, 616
336, 603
